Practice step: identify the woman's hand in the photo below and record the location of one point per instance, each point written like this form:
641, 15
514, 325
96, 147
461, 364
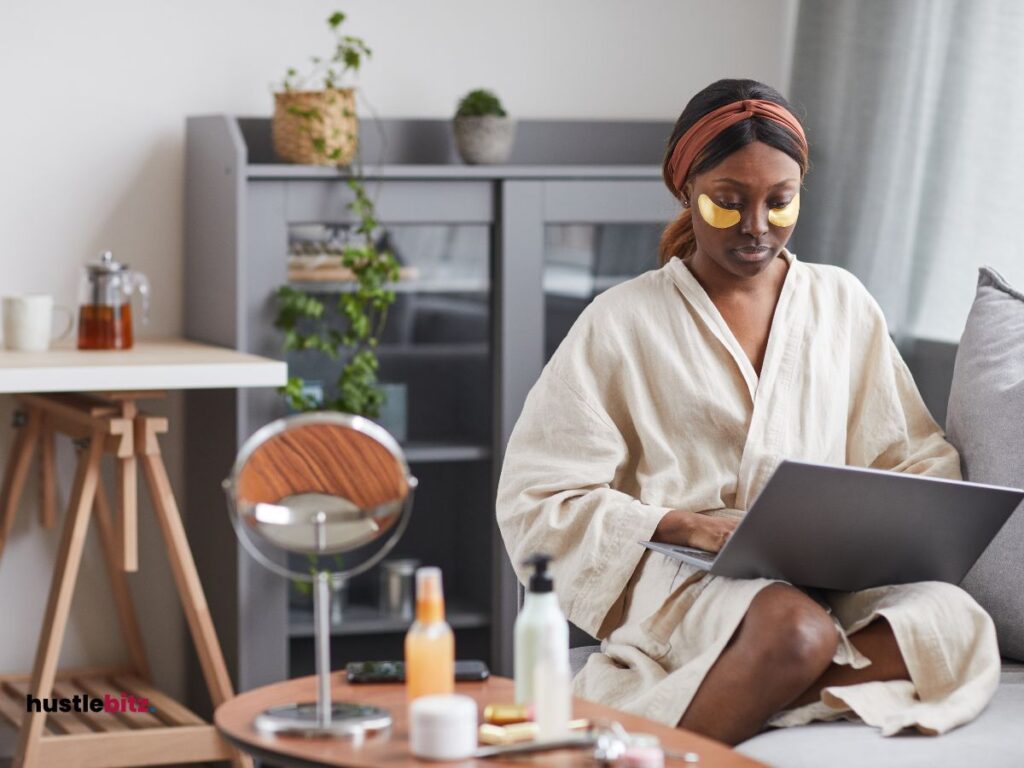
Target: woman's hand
694, 529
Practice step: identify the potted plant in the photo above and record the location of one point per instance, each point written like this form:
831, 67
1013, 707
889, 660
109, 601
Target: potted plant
353, 329
483, 130
314, 116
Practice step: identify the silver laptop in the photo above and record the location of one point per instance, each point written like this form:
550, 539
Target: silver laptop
849, 528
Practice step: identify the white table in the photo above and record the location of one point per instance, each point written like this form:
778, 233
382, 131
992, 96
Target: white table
149, 365
92, 397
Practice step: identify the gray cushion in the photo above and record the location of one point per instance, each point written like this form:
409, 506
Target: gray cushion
991, 740
985, 422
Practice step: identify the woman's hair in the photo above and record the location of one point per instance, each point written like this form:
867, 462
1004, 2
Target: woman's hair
678, 239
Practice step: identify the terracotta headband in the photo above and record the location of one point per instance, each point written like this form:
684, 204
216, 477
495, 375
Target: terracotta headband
693, 142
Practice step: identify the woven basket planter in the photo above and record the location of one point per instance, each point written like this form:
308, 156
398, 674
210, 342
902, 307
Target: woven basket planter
303, 118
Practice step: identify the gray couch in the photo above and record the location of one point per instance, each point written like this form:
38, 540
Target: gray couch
983, 386
992, 740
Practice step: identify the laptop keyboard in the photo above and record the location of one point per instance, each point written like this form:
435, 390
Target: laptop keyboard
699, 554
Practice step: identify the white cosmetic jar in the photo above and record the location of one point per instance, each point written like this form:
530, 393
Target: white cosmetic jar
443, 726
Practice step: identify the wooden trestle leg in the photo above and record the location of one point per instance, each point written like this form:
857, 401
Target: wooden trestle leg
169, 731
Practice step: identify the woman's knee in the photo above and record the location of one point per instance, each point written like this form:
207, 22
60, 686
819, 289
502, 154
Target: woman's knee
787, 627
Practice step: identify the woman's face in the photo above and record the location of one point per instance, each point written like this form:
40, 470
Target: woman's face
753, 182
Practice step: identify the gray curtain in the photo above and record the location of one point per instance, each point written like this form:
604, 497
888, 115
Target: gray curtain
915, 114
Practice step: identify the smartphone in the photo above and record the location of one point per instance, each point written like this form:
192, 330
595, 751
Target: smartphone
466, 670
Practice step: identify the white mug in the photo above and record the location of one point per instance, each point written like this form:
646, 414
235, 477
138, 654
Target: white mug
28, 322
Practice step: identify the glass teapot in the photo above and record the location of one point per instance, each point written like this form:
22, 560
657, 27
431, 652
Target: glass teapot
105, 303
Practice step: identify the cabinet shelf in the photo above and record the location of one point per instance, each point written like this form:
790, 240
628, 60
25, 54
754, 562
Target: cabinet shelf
429, 451
433, 350
368, 620
474, 285
458, 171
428, 351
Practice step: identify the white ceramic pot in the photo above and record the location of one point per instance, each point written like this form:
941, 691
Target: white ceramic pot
485, 140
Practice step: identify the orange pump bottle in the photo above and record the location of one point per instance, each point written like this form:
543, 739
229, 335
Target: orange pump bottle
429, 643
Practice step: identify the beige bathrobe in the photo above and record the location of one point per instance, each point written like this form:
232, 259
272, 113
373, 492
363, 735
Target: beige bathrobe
650, 404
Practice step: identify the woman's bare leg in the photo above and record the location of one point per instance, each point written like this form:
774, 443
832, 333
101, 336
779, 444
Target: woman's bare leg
784, 643
877, 642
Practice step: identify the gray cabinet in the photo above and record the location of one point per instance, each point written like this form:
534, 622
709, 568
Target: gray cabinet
498, 261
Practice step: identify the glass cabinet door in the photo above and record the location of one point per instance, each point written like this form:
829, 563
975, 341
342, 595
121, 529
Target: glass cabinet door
435, 367
434, 347
562, 242
582, 260
597, 233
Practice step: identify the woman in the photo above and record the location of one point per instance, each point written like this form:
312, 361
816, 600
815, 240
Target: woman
662, 415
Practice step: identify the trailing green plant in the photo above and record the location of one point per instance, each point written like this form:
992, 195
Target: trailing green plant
303, 318
348, 55
306, 324
480, 103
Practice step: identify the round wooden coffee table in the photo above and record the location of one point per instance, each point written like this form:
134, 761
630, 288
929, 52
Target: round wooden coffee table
234, 719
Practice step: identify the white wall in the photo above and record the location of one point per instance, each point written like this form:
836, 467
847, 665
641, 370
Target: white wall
91, 145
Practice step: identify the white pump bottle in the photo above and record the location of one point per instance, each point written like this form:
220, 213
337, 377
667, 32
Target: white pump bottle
542, 674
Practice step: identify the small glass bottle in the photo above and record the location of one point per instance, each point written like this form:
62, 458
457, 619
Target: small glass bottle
429, 643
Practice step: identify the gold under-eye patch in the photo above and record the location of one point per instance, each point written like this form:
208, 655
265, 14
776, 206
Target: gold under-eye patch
715, 215
786, 216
